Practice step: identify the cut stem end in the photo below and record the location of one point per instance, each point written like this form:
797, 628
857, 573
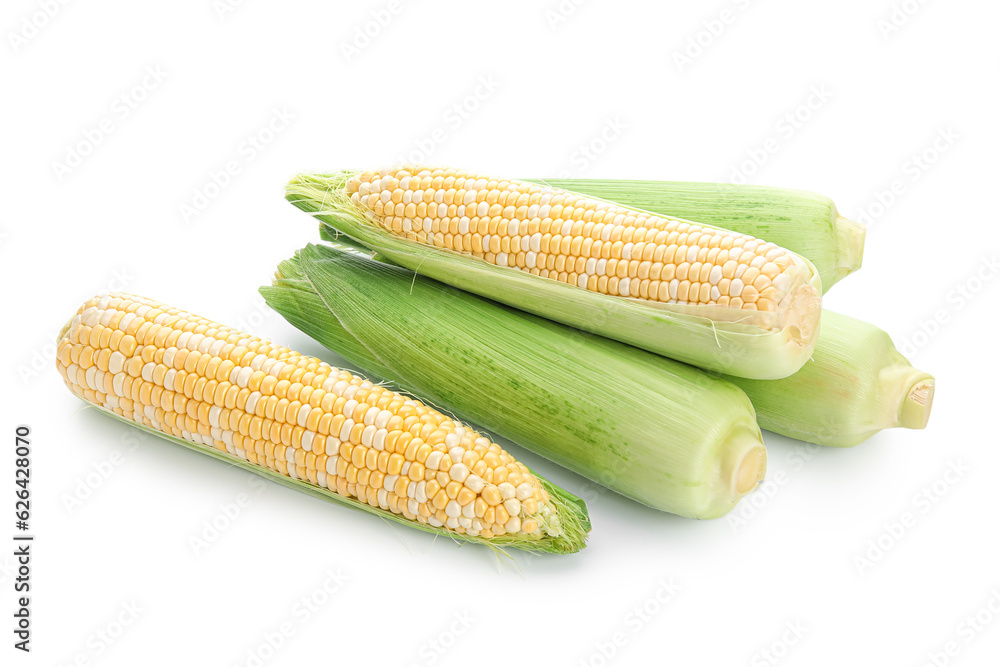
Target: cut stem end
915, 410
747, 462
750, 471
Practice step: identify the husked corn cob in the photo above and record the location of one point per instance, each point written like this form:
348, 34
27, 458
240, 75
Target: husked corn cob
655, 430
199, 381
703, 295
804, 222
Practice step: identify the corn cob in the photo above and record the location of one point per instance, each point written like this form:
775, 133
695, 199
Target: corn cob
699, 294
855, 385
657, 431
309, 425
804, 222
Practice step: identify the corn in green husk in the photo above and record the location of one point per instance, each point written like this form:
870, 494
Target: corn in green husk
855, 385
735, 341
804, 222
658, 431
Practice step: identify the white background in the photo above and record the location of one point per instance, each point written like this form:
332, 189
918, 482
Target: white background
602, 74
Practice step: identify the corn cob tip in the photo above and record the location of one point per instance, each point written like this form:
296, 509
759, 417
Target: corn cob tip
915, 409
799, 314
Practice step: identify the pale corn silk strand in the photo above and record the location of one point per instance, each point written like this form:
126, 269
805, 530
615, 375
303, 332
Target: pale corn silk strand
208, 384
579, 240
